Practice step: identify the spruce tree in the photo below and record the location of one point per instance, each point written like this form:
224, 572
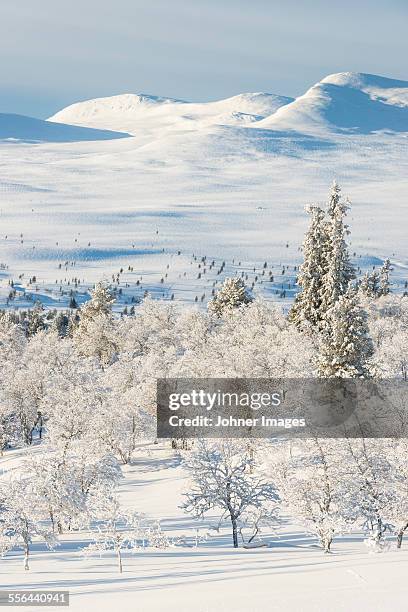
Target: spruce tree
384, 288
232, 294
306, 310
339, 269
345, 346
35, 319
369, 285
100, 303
60, 324
93, 334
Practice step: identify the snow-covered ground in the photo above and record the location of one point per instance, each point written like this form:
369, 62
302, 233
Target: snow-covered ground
292, 573
227, 180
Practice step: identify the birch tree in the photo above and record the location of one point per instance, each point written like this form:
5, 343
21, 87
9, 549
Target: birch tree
311, 486
222, 477
21, 519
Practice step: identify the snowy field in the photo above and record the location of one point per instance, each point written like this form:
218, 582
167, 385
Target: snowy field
292, 573
148, 183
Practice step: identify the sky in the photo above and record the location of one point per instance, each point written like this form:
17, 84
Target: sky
54, 52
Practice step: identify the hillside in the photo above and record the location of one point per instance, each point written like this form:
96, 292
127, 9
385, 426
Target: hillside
28, 129
139, 112
346, 102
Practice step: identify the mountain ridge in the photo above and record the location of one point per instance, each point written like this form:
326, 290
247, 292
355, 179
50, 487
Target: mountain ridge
124, 111
341, 102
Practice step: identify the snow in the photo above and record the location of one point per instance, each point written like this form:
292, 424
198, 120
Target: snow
131, 112
362, 103
227, 179
27, 129
291, 574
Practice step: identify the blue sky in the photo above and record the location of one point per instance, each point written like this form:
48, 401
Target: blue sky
56, 52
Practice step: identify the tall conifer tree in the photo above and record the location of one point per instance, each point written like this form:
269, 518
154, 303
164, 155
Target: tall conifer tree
339, 269
306, 310
345, 346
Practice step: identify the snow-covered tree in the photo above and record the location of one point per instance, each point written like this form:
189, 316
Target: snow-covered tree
101, 303
193, 329
12, 340
339, 269
152, 329
345, 346
25, 381
326, 271
122, 419
254, 521
232, 294
397, 503
95, 472
95, 332
21, 519
97, 338
35, 319
72, 484
13, 343
306, 311
388, 323
60, 324
384, 288
255, 341
124, 530
391, 358
57, 487
311, 485
371, 491
115, 532
222, 477
369, 285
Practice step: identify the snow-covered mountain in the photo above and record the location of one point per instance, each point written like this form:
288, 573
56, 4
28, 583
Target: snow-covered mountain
347, 101
341, 103
28, 129
138, 112
360, 103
